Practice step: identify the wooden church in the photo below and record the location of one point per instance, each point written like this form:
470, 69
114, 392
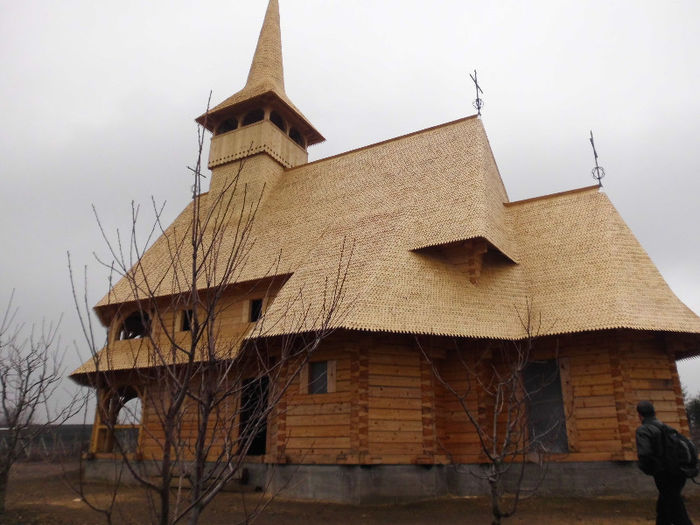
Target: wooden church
442, 269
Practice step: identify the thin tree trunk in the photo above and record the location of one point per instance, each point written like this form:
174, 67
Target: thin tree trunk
4, 475
165, 483
495, 500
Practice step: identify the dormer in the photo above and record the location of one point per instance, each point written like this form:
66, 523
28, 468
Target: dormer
469, 256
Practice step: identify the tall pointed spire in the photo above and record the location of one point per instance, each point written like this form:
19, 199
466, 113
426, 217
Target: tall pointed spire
264, 90
267, 66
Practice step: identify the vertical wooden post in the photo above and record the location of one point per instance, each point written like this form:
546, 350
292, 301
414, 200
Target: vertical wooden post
282, 418
484, 402
567, 390
353, 352
624, 404
427, 387
363, 400
677, 390
331, 375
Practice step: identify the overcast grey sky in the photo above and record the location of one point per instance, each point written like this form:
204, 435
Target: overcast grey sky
97, 101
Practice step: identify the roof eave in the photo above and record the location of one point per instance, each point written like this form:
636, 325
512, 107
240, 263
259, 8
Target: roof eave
210, 119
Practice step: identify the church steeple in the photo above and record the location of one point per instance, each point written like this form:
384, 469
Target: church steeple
267, 66
262, 100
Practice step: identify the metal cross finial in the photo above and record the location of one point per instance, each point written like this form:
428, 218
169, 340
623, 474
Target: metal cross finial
598, 172
479, 102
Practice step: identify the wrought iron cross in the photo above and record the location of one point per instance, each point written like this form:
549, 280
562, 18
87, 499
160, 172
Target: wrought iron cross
479, 102
598, 172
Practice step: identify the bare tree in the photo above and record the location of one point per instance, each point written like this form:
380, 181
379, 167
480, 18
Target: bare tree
30, 375
498, 386
208, 391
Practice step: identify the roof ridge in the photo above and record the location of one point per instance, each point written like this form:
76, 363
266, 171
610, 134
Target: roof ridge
552, 195
386, 141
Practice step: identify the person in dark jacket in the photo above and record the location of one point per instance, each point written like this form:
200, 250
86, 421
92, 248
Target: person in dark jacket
670, 509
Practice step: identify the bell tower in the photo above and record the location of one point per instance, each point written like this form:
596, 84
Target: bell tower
259, 125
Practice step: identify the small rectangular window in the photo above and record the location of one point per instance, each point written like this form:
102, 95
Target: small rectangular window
318, 377
186, 320
256, 307
545, 404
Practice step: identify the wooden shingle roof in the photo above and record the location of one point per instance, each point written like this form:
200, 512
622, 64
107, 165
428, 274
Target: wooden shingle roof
570, 254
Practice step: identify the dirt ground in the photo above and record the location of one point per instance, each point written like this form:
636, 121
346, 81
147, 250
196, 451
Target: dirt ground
40, 494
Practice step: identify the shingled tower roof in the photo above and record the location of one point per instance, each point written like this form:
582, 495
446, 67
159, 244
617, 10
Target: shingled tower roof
265, 81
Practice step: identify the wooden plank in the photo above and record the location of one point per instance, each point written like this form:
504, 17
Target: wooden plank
342, 443
589, 380
593, 390
394, 392
321, 431
402, 450
594, 435
318, 420
682, 416
608, 411
399, 403
394, 370
312, 409
428, 403
379, 380
304, 379
609, 423
363, 402
404, 358
319, 399
471, 438
568, 399
385, 425
395, 437
389, 413
331, 376
354, 406
652, 373
594, 401
651, 384
610, 445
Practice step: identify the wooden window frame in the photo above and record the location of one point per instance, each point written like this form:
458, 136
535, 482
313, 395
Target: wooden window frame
331, 377
557, 364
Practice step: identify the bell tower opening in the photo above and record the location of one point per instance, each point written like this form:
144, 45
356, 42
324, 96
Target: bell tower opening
260, 118
254, 116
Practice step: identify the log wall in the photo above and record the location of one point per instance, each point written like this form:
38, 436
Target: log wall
387, 407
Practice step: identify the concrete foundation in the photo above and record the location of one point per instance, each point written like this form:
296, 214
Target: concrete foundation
381, 484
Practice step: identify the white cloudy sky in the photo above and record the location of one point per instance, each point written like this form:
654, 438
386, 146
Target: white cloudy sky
97, 101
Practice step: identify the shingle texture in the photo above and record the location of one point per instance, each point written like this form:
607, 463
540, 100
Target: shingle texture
570, 255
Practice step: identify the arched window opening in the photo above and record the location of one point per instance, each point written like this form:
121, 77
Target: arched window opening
227, 125
120, 411
296, 137
136, 326
130, 412
277, 120
254, 116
